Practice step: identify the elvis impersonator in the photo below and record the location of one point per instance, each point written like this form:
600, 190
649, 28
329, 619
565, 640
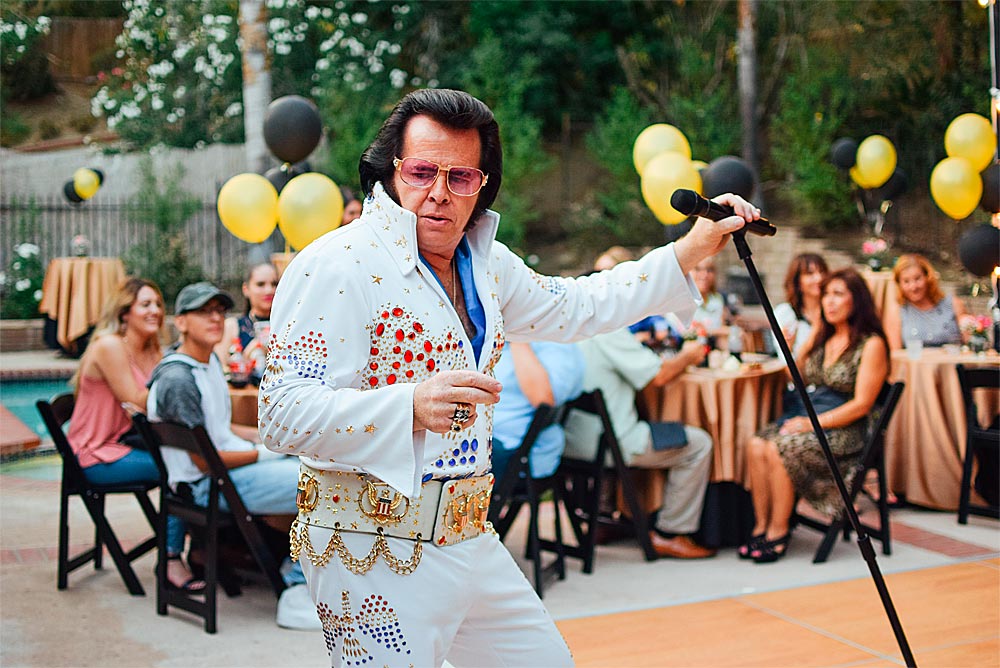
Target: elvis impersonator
380, 378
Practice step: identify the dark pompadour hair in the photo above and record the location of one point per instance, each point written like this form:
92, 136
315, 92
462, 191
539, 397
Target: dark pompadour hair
453, 108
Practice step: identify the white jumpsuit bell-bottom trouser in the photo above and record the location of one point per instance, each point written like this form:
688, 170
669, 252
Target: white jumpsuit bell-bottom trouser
468, 603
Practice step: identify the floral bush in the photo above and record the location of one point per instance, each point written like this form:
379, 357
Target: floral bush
21, 285
24, 68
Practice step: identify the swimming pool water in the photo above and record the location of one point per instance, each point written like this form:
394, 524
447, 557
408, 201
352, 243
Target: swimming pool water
19, 397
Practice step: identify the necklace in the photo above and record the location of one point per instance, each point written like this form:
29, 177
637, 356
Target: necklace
454, 284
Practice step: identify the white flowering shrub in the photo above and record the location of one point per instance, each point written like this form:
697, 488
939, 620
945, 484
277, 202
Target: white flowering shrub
24, 68
21, 285
181, 74
180, 83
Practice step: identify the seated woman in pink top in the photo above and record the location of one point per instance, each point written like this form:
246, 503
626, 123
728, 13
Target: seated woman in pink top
114, 370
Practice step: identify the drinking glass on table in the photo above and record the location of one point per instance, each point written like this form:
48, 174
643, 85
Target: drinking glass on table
914, 344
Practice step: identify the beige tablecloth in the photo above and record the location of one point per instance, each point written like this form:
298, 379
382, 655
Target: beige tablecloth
244, 402
925, 443
882, 287
731, 407
75, 292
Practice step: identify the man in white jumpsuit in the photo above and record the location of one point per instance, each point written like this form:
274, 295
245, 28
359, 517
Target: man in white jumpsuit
379, 376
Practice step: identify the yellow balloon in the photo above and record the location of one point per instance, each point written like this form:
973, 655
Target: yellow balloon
956, 187
248, 207
663, 175
310, 205
970, 136
657, 139
86, 182
858, 178
699, 164
876, 160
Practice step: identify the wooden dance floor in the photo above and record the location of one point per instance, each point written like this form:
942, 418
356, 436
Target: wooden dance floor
951, 615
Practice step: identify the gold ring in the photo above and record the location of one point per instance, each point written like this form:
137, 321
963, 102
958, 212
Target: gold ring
461, 415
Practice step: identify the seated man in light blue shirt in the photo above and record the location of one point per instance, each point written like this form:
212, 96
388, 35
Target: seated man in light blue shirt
533, 374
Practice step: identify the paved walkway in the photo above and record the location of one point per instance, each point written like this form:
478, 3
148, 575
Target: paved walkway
96, 623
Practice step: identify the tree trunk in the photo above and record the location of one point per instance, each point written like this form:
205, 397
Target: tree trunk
256, 97
746, 41
256, 81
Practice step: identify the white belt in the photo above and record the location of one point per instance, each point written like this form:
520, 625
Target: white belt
447, 512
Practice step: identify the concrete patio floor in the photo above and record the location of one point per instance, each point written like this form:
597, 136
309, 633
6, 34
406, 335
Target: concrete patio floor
96, 623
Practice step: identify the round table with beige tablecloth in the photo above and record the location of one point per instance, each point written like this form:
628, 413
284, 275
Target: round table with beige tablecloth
75, 292
925, 442
730, 406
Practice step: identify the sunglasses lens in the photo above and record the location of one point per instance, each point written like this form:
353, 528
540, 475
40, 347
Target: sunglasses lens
464, 181
419, 173
422, 173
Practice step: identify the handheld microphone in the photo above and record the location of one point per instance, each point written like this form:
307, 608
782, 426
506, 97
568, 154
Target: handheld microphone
691, 203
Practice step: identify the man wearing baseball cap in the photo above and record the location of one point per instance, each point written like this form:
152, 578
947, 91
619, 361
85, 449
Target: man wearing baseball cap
188, 386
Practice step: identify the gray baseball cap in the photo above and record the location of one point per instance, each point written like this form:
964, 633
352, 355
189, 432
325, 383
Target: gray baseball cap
193, 297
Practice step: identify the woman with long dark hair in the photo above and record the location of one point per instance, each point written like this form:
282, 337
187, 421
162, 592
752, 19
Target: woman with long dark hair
801, 310
113, 372
846, 363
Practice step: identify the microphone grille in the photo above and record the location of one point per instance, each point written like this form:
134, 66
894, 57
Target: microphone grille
685, 201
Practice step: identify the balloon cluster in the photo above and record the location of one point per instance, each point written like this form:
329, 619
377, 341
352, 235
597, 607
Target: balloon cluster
84, 185
304, 205
968, 177
871, 165
662, 157
956, 184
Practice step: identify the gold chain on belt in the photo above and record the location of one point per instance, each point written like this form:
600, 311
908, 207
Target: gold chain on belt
298, 538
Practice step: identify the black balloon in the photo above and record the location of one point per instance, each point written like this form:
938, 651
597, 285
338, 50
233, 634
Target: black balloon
100, 175
894, 187
70, 192
979, 249
292, 128
727, 174
280, 176
991, 188
844, 153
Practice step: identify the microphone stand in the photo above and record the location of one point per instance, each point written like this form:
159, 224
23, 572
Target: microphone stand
864, 541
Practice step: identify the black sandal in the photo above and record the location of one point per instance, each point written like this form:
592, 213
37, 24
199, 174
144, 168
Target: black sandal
193, 585
746, 551
768, 552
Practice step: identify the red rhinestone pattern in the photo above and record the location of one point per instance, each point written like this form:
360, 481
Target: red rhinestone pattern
402, 351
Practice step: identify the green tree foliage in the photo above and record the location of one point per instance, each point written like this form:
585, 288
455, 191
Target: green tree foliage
810, 116
614, 208
165, 206
825, 70
503, 88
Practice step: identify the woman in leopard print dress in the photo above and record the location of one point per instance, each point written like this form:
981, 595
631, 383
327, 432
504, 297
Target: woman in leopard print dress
847, 362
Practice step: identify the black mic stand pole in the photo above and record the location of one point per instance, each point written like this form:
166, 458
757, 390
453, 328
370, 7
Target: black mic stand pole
864, 542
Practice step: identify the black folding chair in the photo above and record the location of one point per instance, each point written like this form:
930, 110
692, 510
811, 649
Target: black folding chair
872, 458
582, 481
75, 483
205, 521
980, 442
517, 487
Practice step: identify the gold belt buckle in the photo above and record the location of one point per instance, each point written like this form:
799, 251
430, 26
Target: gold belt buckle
380, 503
474, 506
307, 495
